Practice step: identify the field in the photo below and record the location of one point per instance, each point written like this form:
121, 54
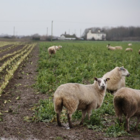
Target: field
27, 88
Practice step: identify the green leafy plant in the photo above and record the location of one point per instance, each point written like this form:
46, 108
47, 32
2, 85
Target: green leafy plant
116, 130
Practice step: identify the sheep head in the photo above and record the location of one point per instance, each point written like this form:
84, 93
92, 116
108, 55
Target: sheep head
101, 82
123, 71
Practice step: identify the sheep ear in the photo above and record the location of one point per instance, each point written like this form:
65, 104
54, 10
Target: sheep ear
107, 79
95, 78
121, 68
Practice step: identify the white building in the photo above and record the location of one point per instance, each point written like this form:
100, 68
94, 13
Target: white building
67, 37
96, 35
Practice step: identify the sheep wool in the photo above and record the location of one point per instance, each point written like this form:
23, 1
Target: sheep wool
128, 49
52, 50
110, 47
58, 47
117, 78
74, 96
118, 47
127, 102
130, 44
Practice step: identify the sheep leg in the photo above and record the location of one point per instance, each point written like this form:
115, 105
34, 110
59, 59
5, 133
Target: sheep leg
91, 106
58, 119
127, 124
120, 119
89, 114
69, 120
83, 116
138, 120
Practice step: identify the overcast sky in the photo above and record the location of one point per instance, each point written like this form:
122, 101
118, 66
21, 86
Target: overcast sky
27, 17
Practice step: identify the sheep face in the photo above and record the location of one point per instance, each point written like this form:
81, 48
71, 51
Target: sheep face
124, 72
101, 83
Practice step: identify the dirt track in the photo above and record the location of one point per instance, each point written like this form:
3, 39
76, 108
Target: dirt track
20, 96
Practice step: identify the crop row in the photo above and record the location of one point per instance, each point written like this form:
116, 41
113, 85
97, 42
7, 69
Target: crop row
9, 61
6, 49
10, 72
2, 44
10, 54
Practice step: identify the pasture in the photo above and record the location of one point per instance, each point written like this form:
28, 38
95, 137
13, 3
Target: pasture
27, 98
80, 62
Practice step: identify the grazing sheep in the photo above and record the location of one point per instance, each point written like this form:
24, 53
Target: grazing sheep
118, 47
128, 49
139, 51
58, 47
52, 50
130, 44
117, 78
74, 96
127, 102
111, 48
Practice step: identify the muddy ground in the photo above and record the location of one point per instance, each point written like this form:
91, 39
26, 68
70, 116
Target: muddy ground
16, 103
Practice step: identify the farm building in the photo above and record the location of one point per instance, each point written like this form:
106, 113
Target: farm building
96, 35
67, 37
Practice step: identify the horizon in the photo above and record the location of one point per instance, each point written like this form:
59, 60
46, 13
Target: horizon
73, 17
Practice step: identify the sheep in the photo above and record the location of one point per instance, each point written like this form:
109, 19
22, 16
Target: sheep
58, 47
130, 44
74, 96
52, 50
111, 48
118, 47
128, 49
117, 79
127, 102
139, 51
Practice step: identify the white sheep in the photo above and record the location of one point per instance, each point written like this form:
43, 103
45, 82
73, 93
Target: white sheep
52, 50
128, 49
118, 47
74, 96
58, 47
127, 102
111, 48
117, 78
130, 44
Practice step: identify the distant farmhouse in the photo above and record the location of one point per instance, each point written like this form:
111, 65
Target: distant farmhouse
96, 35
67, 37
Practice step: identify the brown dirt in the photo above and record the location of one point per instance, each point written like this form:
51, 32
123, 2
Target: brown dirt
14, 127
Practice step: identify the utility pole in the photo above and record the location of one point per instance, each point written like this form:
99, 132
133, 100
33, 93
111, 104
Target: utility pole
51, 30
14, 31
47, 32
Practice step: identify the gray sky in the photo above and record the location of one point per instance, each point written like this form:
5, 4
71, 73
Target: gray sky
72, 16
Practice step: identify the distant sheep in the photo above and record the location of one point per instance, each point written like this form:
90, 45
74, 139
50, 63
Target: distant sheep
74, 96
130, 44
118, 47
117, 78
127, 102
128, 49
52, 50
111, 48
58, 47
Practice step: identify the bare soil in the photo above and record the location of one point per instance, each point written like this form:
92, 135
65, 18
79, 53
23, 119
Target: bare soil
16, 103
